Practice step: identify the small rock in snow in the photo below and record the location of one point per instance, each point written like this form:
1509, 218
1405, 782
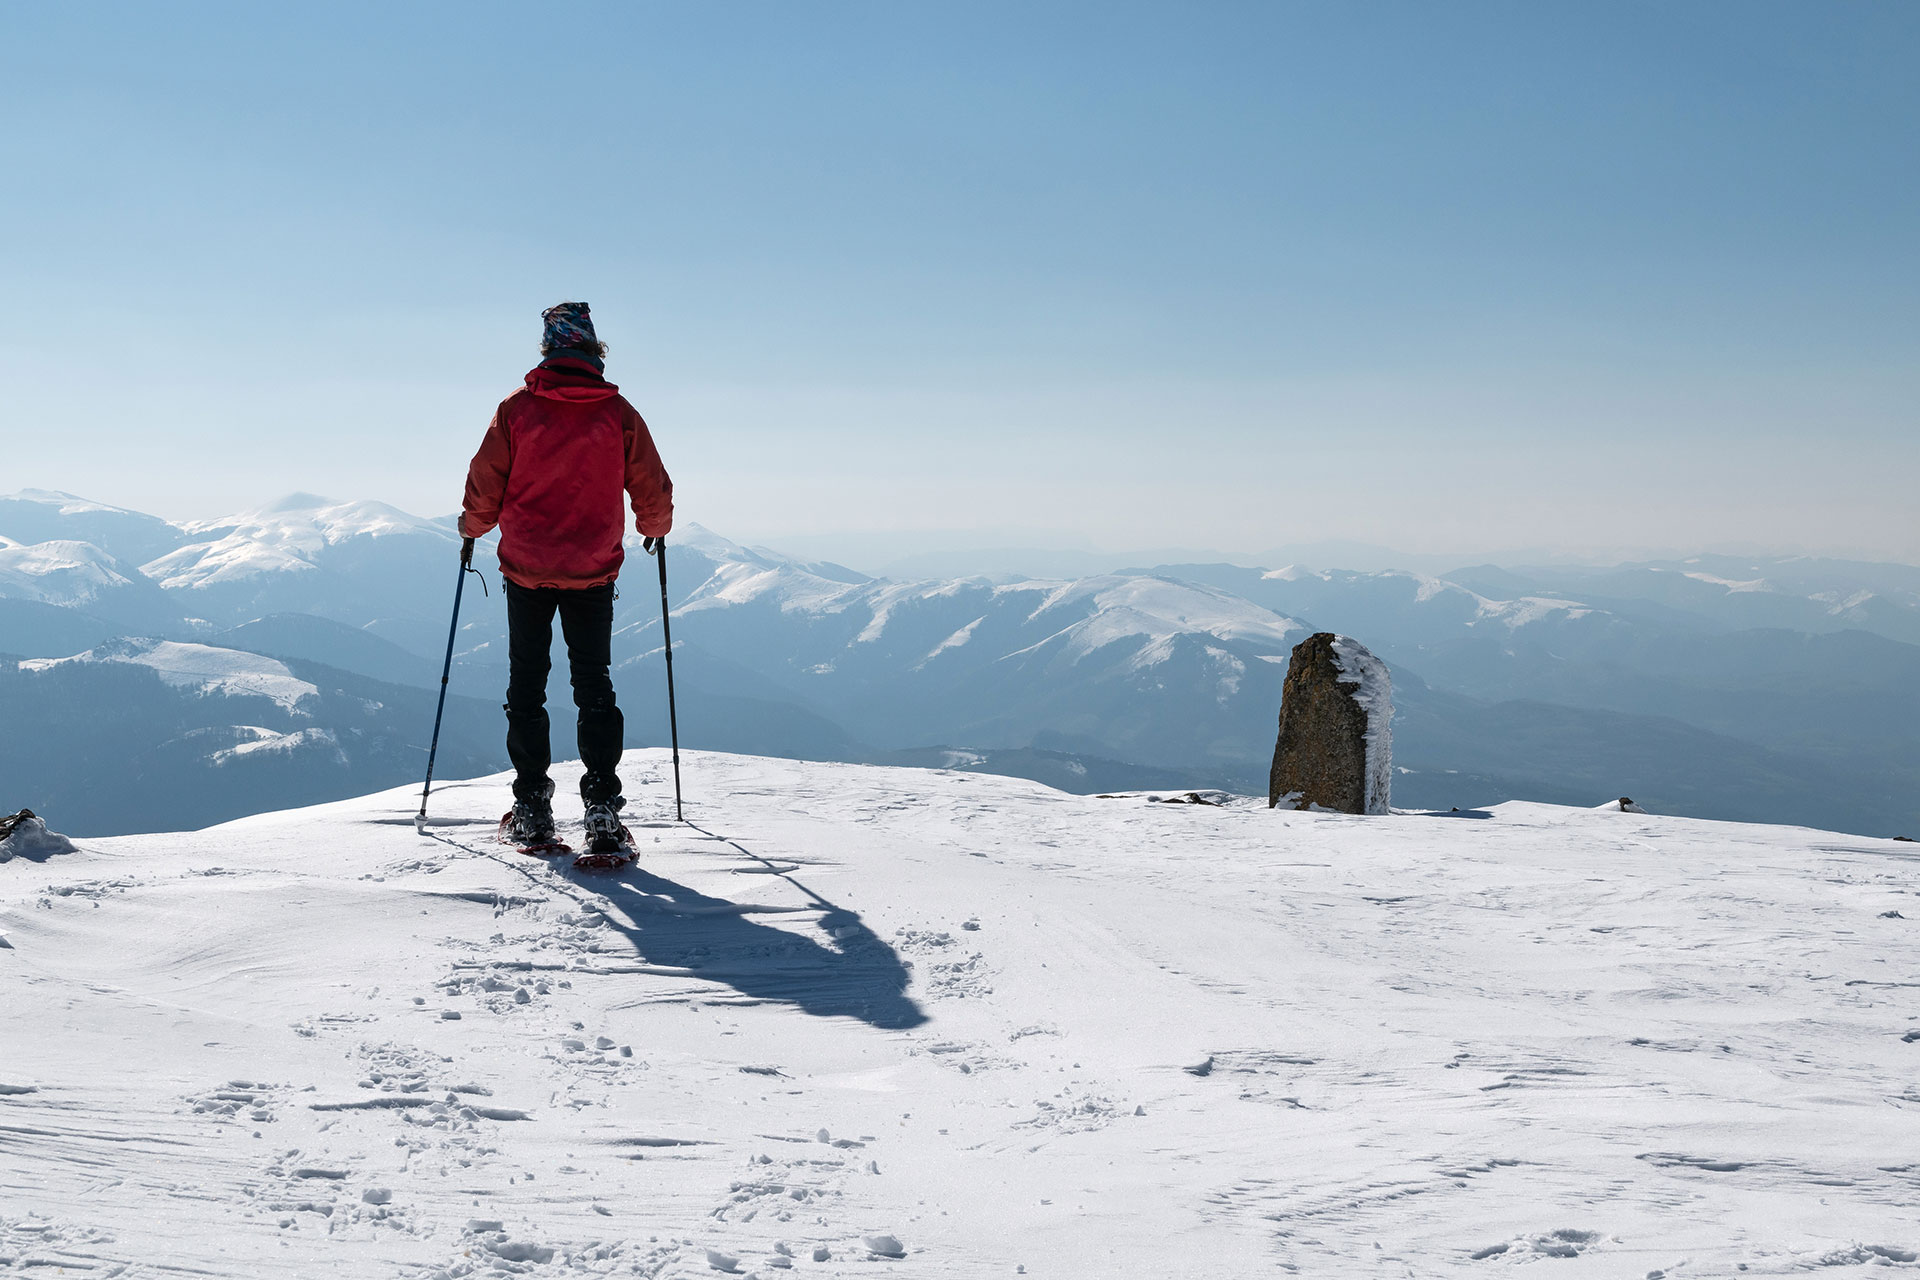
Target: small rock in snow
450, 1015
886, 1246
820, 1253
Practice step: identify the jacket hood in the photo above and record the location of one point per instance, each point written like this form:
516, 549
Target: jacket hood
571, 380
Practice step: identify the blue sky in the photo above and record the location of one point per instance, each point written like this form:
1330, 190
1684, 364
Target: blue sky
1461, 277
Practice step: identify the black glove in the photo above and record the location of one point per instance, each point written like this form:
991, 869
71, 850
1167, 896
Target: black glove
466, 553
651, 545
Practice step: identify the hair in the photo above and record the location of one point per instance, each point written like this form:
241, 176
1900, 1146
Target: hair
592, 348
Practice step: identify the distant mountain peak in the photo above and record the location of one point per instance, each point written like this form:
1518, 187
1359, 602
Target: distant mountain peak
299, 502
68, 503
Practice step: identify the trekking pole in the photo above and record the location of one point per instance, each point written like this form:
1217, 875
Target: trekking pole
453, 628
673, 716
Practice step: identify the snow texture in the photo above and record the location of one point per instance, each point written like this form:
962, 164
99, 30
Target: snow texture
863, 1022
1374, 693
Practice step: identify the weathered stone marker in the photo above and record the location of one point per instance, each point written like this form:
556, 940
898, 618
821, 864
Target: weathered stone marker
1336, 742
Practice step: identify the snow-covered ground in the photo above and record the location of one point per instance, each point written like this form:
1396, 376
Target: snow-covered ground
985, 1025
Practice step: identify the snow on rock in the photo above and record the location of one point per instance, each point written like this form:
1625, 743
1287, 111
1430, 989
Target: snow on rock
1374, 693
28, 837
227, 672
968, 1019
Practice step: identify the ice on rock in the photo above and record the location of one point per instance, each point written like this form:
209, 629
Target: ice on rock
1374, 693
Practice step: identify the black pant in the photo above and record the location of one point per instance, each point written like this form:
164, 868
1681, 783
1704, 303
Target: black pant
586, 620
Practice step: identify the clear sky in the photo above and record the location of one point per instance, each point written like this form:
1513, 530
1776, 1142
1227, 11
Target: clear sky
1447, 277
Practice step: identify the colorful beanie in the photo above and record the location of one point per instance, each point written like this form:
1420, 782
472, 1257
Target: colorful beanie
567, 325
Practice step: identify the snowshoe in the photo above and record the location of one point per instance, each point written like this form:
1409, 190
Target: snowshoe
529, 827
609, 843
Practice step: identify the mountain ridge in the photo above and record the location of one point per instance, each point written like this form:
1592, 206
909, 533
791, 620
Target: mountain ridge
1172, 668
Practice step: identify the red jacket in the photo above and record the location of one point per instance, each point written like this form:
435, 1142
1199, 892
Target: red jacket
550, 474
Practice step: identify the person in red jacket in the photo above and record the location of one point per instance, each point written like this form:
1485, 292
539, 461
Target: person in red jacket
550, 473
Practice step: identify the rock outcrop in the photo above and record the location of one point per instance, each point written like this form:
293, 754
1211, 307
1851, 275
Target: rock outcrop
24, 835
1335, 749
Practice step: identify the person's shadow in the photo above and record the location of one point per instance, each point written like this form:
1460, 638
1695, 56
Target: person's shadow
853, 974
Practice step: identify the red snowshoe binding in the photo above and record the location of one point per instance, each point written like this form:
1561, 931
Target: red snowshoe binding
528, 826
609, 843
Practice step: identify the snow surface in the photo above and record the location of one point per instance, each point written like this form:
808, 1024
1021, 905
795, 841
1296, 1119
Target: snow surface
1374, 693
982, 1024
227, 672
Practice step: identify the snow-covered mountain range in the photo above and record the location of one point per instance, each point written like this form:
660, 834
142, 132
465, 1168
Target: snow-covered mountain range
865, 1022
1562, 685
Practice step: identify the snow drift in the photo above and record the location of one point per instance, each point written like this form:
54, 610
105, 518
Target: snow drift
864, 1021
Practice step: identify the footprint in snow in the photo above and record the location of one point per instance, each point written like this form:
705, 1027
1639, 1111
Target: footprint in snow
1568, 1242
237, 1101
